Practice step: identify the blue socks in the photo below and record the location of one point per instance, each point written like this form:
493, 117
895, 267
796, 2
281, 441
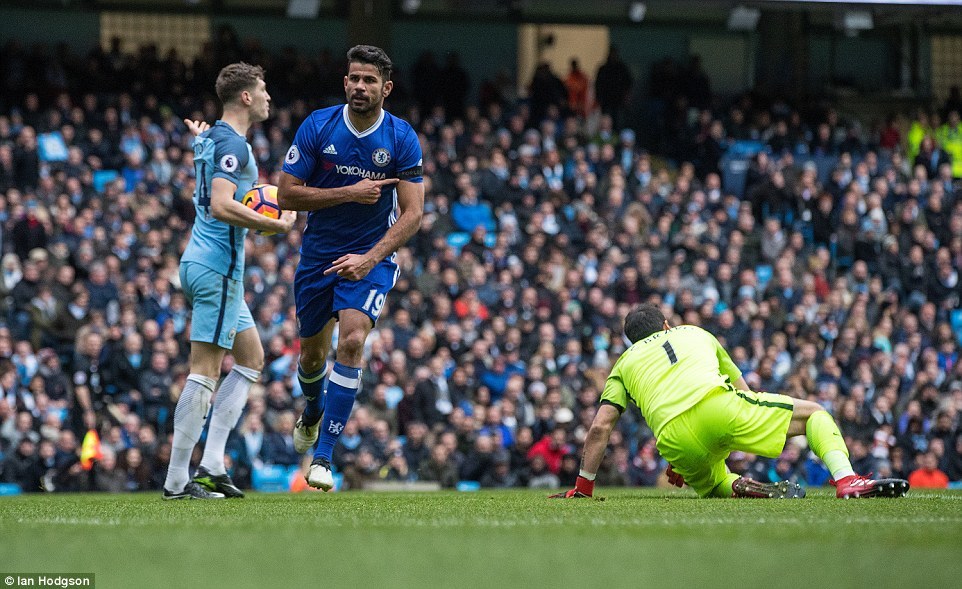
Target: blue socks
342, 387
312, 386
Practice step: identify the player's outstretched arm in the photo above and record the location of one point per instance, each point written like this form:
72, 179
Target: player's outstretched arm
294, 195
410, 200
224, 208
595, 444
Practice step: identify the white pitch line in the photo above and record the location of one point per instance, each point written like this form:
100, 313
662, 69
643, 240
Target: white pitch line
600, 522
459, 522
71, 521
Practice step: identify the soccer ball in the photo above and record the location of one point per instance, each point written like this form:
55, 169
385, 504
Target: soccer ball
262, 198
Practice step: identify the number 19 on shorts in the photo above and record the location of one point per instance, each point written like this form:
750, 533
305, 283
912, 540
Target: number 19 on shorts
374, 302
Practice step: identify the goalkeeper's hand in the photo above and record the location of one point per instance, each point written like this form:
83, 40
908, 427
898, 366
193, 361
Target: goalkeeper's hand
583, 488
674, 478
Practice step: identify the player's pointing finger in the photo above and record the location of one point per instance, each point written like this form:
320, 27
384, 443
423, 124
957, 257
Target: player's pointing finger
336, 266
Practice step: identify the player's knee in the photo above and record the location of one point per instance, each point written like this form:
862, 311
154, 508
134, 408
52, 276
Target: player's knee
251, 356
255, 363
805, 409
351, 345
207, 367
310, 361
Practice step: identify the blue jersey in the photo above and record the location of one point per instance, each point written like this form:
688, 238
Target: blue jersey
328, 152
219, 152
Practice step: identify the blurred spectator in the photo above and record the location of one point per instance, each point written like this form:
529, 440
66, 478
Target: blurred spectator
479, 462
29, 233
106, 476
500, 476
23, 466
613, 83
137, 471
360, 471
952, 461
928, 475
469, 213
546, 90
646, 467
454, 90
931, 157
397, 470
576, 83
278, 445
539, 477
551, 448
439, 468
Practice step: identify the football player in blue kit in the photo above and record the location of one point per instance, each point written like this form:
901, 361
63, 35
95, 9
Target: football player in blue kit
357, 169
212, 275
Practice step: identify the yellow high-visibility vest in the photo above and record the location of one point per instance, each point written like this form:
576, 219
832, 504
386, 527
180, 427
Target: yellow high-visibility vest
951, 140
914, 139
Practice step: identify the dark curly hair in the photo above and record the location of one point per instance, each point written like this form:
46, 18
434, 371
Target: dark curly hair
374, 56
643, 321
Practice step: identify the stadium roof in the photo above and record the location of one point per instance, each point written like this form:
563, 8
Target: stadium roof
933, 12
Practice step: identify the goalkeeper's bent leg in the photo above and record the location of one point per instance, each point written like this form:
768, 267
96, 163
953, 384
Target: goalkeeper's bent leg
826, 441
724, 489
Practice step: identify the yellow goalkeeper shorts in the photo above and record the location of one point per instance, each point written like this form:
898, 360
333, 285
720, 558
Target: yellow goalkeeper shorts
697, 442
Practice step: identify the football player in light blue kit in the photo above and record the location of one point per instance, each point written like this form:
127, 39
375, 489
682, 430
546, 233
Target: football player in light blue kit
211, 275
357, 168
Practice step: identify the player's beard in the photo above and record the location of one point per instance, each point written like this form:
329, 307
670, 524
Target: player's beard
365, 106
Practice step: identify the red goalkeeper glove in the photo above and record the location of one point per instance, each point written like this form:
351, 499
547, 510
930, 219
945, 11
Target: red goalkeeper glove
674, 478
583, 488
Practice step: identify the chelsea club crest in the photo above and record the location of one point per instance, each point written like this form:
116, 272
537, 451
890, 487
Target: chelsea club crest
381, 157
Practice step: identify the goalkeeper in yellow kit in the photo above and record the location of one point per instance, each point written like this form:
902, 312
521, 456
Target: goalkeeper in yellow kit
700, 409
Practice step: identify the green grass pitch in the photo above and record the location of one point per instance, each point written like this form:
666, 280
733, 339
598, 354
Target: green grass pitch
636, 538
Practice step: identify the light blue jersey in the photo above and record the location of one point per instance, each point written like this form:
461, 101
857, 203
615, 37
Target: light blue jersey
219, 152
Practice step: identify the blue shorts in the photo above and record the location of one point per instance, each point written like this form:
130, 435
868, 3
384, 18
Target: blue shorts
219, 311
319, 297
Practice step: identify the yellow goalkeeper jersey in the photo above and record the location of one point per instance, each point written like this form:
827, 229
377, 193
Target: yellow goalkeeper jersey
669, 372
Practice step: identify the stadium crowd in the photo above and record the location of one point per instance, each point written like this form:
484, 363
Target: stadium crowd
544, 223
